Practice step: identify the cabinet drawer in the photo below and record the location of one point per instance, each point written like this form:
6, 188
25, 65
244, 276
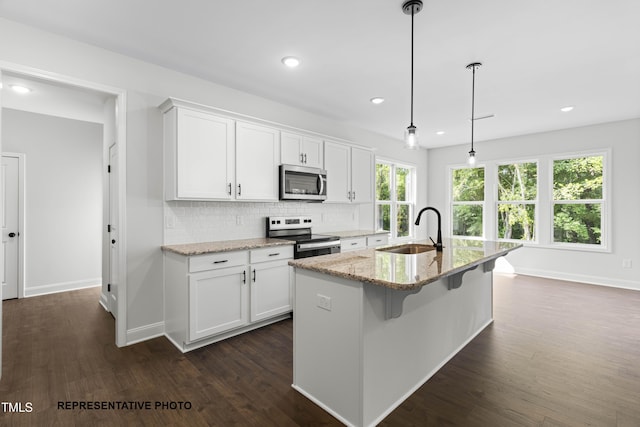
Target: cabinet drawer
272, 253
217, 260
377, 240
353, 244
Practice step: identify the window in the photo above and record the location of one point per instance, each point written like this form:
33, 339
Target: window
467, 202
395, 198
517, 195
578, 200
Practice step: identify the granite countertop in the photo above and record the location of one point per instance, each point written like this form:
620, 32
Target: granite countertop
189, 249
407, 272
354, 233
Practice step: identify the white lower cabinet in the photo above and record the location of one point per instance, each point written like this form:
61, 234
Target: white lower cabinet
217, 301
212, 297
270, 289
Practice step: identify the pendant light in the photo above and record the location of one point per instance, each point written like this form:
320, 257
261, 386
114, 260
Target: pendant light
411, 7
473, 66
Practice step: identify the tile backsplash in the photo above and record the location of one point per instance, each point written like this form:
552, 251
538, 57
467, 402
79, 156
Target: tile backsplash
194, 222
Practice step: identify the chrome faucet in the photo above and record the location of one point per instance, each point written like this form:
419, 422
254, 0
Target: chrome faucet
437, 244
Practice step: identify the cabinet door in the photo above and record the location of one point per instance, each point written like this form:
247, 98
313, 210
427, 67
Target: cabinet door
312, 152
338, 166
362, 164
257, 160
270, 289
290, 144
204, 155
217, 301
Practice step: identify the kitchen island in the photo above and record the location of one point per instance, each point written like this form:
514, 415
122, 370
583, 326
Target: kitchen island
372, 326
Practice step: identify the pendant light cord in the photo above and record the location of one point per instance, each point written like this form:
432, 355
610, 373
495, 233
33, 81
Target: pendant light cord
473, 100
412, 14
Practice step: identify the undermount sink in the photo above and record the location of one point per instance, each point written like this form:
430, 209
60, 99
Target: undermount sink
409, 249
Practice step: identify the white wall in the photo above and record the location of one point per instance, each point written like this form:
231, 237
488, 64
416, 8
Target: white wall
63, 199
147, 87
623, 138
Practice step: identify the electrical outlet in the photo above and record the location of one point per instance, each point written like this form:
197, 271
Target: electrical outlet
626, 263
239, 220
324, 302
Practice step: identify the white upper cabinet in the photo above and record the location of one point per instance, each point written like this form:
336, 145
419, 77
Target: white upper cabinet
215, 155
301, 150
337, 163
257, 160
362, 175
349, 173
199, 155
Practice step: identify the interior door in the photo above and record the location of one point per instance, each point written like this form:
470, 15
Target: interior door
10, 226
112, 289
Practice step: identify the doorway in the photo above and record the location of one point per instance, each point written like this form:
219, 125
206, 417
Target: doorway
113, 194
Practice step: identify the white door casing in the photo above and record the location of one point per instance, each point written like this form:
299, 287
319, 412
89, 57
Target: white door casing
12, 179
114, 227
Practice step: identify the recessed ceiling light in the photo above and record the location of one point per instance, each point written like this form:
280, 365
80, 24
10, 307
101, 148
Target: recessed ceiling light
291, 61
440, 132
377, 100
567, 108
20, 89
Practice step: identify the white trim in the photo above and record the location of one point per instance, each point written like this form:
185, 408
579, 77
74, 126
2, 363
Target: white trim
393, 203
54, 288
580, 278
144, 333
22, 173
121, 103
605, 223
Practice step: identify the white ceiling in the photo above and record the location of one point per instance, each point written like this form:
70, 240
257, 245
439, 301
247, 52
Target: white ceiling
537, 56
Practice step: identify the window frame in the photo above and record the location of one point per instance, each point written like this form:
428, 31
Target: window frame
535, 202
545, 201
453, 203
605, 214
393, 203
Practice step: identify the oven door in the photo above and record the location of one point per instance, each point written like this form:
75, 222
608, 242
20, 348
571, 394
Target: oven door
306, 250
302, 183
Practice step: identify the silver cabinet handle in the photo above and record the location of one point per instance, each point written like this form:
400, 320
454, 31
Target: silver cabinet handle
229, 189
349, 195
239, 190
305, 158
275, 254
244, 276
301, 158
220, 262
254, 275
354, 195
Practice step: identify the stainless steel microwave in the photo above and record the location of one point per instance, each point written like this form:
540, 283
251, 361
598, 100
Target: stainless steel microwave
302, 183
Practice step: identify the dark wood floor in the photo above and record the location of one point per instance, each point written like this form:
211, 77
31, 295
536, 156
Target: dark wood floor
558, 354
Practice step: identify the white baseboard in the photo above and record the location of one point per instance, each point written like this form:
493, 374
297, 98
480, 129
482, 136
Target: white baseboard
144, 333
32, 291
104, 302
581, 278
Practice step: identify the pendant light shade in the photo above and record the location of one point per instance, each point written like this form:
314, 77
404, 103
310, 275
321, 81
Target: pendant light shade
411, 7
472, 67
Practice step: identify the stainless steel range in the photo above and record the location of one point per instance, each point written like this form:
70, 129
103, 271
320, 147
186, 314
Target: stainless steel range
298, 228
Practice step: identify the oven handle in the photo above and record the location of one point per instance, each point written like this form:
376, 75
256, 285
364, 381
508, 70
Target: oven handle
310, 246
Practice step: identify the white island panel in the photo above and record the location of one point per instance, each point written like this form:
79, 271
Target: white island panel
359, 364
